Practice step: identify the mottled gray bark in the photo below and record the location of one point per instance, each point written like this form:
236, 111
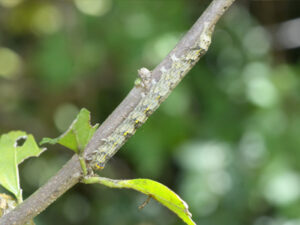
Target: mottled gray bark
71, 173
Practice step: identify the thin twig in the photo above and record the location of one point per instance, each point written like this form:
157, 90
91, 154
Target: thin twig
145, 202
71, 173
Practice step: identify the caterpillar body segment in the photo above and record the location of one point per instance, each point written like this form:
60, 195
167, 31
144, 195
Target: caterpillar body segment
155, 92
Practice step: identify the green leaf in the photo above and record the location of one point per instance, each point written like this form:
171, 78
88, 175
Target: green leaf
78, 134
153, 189
15, 147
7, 203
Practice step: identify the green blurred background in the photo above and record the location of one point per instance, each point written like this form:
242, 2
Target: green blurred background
226, 140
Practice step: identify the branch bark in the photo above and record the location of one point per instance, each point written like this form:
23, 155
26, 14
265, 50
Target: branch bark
71, 173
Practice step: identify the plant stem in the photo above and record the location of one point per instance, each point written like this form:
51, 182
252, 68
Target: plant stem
72, 172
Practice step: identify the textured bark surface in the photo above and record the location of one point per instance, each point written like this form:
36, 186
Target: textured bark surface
71, 173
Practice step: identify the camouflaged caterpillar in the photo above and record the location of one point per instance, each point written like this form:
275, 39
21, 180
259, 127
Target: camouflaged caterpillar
157, 92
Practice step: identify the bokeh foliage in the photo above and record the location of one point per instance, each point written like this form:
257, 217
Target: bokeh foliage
226, 140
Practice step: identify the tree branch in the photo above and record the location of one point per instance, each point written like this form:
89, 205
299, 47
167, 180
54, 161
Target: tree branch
178, 62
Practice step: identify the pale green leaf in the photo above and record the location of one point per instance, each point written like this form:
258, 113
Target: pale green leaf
158, 191
78, 134
15, 147
7, 203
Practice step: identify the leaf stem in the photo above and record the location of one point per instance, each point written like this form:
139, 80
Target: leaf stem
71, 173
